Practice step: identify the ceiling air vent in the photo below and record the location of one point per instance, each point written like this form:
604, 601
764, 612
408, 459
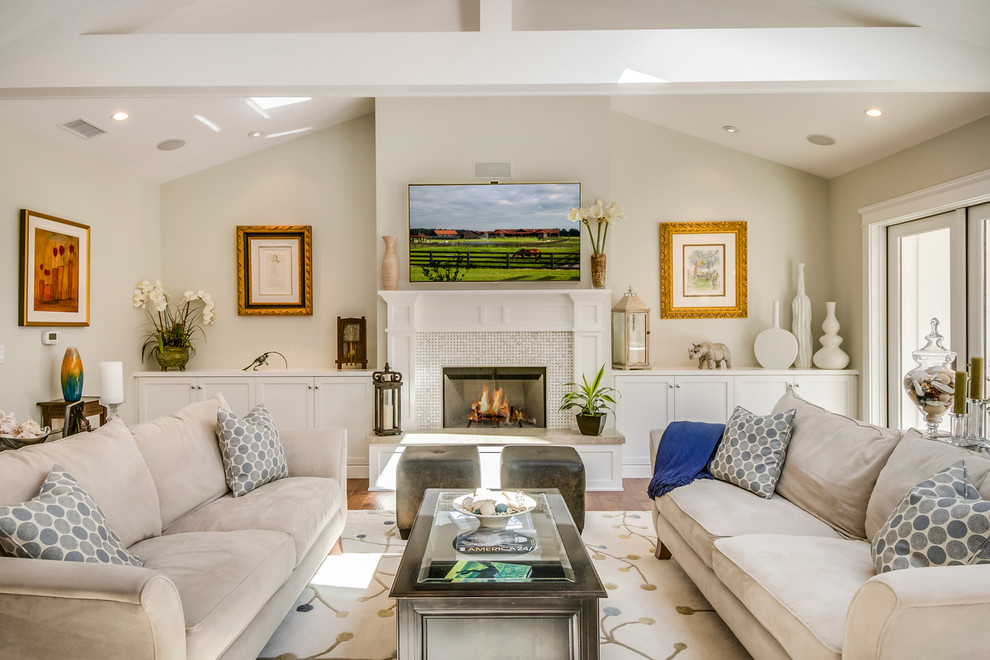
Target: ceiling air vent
83, 128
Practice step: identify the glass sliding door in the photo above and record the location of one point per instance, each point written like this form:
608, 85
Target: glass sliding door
926, 278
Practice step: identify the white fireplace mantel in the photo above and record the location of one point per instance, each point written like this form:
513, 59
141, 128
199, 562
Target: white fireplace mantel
583, 312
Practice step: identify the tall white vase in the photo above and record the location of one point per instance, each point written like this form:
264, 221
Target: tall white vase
830, 356
801, 323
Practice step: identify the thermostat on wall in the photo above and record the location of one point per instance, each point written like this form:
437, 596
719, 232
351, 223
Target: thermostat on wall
50, 337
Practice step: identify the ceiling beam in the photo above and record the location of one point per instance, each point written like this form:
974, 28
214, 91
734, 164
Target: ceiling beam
827, 59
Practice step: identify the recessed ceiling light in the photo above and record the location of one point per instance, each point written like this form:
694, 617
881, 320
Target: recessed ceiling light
256, 134
206, 122
873, 112
171, 145
119, 116
821, 140
730, 129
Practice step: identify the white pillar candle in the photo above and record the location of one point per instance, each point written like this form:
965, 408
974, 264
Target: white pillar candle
387, 417
112, 382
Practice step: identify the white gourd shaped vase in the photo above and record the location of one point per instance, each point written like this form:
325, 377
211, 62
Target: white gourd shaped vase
801, 323
830, 356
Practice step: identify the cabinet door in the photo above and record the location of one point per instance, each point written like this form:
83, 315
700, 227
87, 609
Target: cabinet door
758, 393
163, 396
835, 392
346, 402
703, 398
289, 399
644, 404
238, 391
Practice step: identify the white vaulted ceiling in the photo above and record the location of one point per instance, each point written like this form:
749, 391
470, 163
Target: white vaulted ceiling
777, 70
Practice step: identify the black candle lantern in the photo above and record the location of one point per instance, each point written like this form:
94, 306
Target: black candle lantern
388, 406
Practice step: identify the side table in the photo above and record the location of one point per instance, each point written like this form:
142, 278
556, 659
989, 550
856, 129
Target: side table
51, 410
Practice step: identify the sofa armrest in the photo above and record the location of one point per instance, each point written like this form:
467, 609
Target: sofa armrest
316, 452
936, 612
55, 609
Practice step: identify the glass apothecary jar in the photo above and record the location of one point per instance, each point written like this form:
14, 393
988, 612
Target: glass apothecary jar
931, 384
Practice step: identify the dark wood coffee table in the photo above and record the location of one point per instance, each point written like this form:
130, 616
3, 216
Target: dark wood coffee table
550, 614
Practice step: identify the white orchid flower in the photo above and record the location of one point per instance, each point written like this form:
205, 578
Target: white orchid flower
574, 215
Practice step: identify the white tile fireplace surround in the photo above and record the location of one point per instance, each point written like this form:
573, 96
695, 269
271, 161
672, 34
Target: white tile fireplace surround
565, 330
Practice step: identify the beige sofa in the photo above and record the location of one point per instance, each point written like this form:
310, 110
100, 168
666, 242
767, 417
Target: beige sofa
792, 575
219, 573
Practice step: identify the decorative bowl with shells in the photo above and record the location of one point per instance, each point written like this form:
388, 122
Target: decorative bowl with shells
494, 508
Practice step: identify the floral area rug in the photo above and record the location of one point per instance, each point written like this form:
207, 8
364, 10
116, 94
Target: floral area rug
652, 611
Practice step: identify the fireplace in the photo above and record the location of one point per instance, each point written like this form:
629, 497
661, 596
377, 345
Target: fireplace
494, 397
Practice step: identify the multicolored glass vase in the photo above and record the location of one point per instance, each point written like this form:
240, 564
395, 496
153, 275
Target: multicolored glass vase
72, 375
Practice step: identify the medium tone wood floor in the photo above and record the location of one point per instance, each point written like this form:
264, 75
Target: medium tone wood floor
632, 498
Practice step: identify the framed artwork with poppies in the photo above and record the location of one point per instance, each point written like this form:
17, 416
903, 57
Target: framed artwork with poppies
54, 273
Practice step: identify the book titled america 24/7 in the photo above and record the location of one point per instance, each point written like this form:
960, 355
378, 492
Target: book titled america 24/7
485, 540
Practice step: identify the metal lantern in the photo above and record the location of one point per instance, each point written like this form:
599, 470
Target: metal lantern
388, 406
630, 333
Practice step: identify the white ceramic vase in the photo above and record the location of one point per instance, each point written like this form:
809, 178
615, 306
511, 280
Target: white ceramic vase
775, 347
830, 356
801, 323
390, 265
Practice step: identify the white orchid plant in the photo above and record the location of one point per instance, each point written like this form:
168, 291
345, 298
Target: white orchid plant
603, 216
172, 326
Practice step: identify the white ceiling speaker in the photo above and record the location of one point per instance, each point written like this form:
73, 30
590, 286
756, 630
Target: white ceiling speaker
493, 170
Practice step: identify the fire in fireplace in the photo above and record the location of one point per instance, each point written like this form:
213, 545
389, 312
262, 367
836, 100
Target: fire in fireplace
494, 397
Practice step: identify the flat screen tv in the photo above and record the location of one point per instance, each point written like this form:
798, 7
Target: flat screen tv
484, 232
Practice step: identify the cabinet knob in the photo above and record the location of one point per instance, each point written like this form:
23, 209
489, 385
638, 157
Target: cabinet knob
317, 387
797, 384
200, 387
669, 386
192, 387
677, 386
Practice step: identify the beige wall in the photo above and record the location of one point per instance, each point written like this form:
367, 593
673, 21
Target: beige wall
122, 212
325, 180
660, 175
955, 154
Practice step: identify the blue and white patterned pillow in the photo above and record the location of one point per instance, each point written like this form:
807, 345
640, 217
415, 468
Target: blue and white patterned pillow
250, 448
62, 523
943, 521
752, 450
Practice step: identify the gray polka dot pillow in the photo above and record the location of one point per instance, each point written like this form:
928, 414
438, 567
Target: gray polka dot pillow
942, 521
62, 523
251, 451
752, 450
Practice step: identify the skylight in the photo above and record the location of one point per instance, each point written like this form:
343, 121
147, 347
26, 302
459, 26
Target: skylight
634, 76
271, 102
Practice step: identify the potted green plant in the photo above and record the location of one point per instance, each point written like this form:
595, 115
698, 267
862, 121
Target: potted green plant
169, 339
592, 401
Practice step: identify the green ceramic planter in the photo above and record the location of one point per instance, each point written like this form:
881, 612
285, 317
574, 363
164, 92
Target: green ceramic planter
591, 424
173, 356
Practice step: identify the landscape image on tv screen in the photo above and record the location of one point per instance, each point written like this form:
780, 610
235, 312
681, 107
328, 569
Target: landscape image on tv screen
494, 232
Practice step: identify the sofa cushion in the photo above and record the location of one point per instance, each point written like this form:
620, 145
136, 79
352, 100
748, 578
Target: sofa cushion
832, 464
916, 458
183, 457
943, 521
752, 450
798, 587
298, 506
223, 579
251, 451
106, 463
62, 523
708, 510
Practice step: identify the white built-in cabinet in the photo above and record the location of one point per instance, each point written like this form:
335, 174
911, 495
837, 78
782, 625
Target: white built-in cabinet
297, 400
651, 399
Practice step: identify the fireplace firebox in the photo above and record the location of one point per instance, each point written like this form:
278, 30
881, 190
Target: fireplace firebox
494, 397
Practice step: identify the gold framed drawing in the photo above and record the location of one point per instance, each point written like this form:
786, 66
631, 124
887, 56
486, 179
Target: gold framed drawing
275, 270
703, 270
54, 274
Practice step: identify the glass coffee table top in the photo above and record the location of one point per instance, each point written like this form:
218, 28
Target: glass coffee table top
527, 549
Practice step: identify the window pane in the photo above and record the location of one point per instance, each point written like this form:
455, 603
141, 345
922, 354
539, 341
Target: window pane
924, 294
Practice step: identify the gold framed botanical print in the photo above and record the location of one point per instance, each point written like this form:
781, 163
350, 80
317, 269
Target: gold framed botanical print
54, 274
275, 270
703, 270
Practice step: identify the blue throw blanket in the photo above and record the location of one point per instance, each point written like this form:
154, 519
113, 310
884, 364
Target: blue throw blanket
686, 449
